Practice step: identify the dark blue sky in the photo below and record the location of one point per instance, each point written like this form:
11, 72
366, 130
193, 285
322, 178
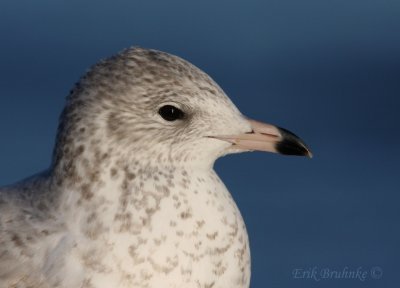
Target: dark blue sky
327, 70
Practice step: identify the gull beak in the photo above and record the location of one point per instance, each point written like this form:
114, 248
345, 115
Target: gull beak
266, 137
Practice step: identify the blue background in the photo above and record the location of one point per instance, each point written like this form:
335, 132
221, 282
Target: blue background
328, 70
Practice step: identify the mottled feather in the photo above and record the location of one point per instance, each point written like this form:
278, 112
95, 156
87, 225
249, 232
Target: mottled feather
130, 200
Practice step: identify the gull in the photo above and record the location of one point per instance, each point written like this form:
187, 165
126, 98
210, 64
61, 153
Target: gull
131, 198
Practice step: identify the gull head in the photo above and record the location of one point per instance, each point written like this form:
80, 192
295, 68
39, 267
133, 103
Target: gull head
155, 108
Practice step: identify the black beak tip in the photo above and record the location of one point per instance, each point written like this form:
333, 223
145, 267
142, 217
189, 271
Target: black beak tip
292, 145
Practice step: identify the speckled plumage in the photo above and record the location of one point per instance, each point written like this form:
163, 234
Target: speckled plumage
131, 200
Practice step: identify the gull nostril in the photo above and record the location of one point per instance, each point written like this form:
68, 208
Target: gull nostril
270, 135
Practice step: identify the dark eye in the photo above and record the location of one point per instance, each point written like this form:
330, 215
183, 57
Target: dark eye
171, 113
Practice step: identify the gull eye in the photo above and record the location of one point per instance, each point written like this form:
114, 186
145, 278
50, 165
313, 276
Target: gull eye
171, 113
